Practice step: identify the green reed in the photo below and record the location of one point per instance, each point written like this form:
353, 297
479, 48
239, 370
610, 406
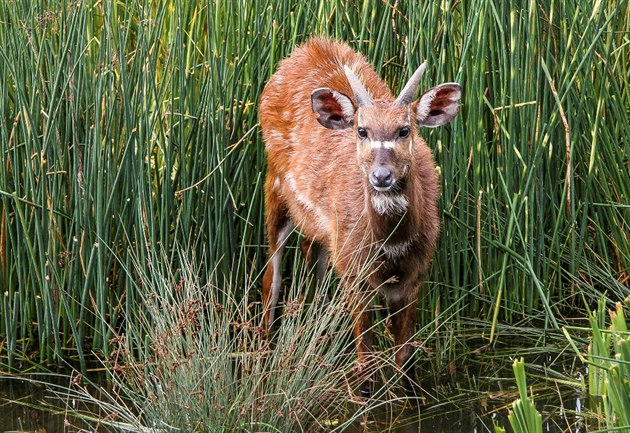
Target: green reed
130, 127
523, 418
608, 360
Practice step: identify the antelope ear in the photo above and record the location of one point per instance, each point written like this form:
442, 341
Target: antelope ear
438, 105
335, 109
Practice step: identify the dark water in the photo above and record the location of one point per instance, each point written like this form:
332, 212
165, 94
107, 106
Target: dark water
16, 396
459, 418
562, 413
37, 406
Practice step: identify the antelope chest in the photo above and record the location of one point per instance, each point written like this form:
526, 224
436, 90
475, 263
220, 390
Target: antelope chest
397, 265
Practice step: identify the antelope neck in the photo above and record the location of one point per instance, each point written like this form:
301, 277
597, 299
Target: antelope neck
389, 212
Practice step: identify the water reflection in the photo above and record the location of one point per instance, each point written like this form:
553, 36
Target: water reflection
36, 405
25, 416
422, 420
563, 414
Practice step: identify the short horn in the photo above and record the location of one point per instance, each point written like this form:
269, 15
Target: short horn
363, 98
407, 94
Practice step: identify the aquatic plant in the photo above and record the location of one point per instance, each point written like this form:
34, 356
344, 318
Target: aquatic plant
524, 418
608, 359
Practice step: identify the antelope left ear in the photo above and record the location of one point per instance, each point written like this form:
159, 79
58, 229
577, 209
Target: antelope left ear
334, 109
438, 105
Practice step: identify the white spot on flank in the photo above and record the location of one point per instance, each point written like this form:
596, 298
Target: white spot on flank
389, 204
322, 219
274, 138
276, 183
296, 190
276, 134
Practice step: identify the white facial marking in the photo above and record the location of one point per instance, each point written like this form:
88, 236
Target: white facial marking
383, 144
276, 183
389, 204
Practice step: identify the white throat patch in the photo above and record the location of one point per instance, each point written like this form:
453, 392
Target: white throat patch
396, 250
389, 204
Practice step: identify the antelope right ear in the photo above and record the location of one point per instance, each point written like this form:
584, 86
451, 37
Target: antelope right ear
335, 109
438, 105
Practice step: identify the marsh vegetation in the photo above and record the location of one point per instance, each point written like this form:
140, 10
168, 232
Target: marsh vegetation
131, 214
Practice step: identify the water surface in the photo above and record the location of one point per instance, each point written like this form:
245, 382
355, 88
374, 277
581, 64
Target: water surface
21, 411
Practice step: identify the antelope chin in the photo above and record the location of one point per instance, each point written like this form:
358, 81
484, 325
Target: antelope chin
383, 188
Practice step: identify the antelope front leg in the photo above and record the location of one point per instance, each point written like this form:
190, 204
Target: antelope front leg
403, 318
279, 228
310, 249
316, 256
363, 337
272, 279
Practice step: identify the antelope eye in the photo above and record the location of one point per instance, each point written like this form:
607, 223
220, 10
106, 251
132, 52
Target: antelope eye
404, 131
362, 132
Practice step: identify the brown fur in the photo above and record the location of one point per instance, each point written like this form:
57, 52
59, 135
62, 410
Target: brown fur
316, 181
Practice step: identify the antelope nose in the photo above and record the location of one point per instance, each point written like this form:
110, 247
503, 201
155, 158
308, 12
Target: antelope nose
382, 178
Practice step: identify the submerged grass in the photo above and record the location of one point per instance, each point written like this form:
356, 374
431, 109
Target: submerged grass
134, 124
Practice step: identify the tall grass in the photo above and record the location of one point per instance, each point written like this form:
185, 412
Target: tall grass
129, 128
